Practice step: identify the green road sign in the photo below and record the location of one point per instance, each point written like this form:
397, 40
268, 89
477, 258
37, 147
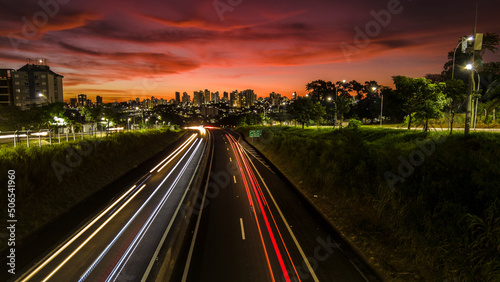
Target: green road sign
255, 133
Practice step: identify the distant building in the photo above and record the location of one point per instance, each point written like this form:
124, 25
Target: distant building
198, 98
235, 99
36, 83
6, 90
82, 100
186, 98
73, 102
215, 97
225, 96
207, 96
247, 98
178, 97
209, 111
98, 100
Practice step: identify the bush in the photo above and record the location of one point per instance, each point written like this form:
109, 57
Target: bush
354, 124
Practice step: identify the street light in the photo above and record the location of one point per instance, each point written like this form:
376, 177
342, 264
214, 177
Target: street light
464, 45
474, 115
43, 96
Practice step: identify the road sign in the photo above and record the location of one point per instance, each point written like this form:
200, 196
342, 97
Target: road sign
255, 133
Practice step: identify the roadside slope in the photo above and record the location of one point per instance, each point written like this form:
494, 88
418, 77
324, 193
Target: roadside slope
428, 227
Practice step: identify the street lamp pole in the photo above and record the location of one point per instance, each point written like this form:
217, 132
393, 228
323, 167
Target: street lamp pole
463, 41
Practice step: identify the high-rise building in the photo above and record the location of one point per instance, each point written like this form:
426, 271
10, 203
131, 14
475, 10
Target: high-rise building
247, 98
235, 99
178, 97
36, 83
198, 98
207, 96
186, 98
98, 100
215, 97
82, 100
6, 90
225, 96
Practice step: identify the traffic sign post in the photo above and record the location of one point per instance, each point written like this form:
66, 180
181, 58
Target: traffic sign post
255, 133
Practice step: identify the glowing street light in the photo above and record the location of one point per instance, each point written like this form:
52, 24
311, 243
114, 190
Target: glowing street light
464, 47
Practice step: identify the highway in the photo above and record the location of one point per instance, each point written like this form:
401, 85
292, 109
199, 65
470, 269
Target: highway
213, 209
121, 241
252, 226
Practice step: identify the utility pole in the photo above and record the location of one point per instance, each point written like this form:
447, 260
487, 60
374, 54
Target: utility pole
471, 82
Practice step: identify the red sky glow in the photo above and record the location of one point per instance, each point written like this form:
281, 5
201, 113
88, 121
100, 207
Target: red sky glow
125, 49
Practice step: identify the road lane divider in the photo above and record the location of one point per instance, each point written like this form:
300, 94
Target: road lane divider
301, 251
198, 220
242, 229
247, 189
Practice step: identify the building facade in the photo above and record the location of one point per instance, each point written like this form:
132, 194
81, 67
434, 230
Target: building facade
35, 83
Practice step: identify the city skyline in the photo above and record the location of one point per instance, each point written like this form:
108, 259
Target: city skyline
123, 50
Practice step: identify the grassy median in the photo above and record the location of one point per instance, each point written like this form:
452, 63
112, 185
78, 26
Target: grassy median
421, 206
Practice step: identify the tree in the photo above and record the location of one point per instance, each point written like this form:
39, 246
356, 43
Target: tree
421, 98
303, 109
432, 102
343, 99
456, 92
320, 90
91, 114
393, 104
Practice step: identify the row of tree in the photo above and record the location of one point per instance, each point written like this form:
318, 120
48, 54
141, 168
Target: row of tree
413, 99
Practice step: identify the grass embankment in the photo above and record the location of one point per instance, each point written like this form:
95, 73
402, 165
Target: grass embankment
442, 222
51, 179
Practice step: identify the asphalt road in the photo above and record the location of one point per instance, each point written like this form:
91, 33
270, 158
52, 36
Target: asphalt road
121, 241
254, 226
248, 224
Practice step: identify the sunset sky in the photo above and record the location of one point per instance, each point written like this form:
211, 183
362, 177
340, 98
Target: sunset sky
130, 48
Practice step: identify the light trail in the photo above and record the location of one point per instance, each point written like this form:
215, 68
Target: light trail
251, 205
304, 257
109, 208
133, 245
92, 235
264, 215
178, 149
77, 235
87, 272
